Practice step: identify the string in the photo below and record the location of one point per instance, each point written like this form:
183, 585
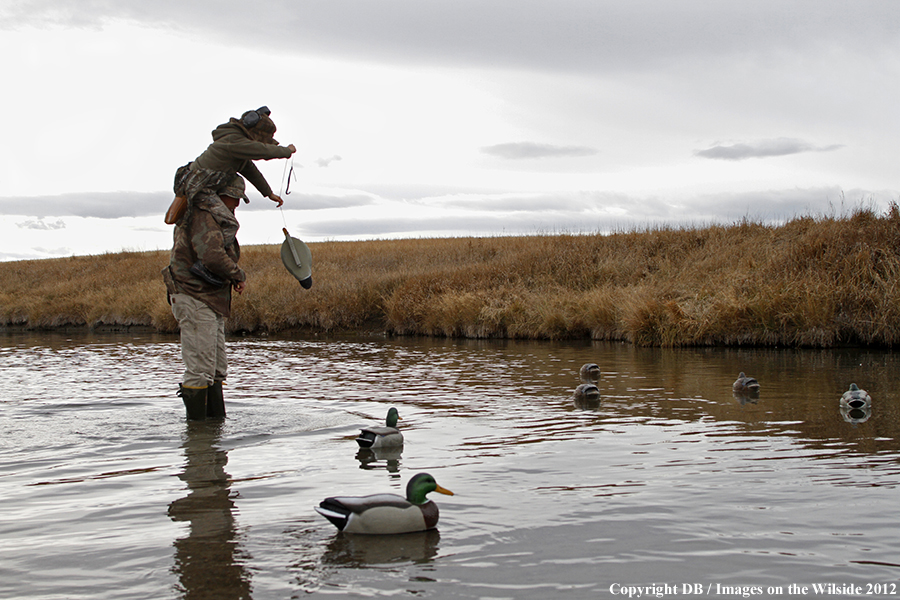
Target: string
285, 176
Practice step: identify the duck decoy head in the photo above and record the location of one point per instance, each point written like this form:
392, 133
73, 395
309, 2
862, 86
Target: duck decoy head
421, 485
392, 417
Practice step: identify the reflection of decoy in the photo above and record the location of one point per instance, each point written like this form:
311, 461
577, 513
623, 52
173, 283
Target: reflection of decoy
419, 547
386, 513
746, 397
856, 415
745, 385
369, 458
586, 393
856, 398
379, 437
589, 373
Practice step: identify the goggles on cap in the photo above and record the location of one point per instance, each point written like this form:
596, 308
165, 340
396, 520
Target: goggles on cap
250, 118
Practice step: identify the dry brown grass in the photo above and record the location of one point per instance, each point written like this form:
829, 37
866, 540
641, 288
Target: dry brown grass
812, 282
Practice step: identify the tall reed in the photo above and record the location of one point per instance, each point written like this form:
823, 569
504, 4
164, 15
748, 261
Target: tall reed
814, 281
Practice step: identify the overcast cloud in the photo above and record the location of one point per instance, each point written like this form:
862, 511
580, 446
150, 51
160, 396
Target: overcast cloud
569, 35
446, 117
40, 224
515, 150
763, 148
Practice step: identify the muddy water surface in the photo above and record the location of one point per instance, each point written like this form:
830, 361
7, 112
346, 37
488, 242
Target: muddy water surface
672, 480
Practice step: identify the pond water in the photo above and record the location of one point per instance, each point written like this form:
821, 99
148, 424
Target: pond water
670, 483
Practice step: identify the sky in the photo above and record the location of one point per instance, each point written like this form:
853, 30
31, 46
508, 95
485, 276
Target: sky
436, 118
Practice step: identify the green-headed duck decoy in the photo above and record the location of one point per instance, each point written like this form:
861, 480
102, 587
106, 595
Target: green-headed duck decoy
386, 513
382, 437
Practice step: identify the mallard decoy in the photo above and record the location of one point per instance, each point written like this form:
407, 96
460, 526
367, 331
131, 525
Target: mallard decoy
589, 373
586, 392
856, 398
745, 384
382, 437
586, 396
386, 513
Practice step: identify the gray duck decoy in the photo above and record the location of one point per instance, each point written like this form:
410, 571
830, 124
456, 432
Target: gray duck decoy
382, 437
745, 385
856, 398
589, 372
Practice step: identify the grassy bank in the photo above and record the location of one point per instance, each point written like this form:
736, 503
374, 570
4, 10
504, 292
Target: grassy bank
812, 282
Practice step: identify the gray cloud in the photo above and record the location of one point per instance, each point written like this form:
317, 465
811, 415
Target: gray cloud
574, 35
557, 203
499, 212
324, 162
102, 205
603, 212
40, 224
298, 201
36, 253
782, 205
518, 150
454, 225
420, 191
115, 205
763, 149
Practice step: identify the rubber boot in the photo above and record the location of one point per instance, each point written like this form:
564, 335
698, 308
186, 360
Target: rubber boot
194, 401
215, 401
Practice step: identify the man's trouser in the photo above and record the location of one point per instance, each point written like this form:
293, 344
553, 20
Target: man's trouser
202, 341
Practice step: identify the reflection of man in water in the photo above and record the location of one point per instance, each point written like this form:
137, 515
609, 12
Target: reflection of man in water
207, 560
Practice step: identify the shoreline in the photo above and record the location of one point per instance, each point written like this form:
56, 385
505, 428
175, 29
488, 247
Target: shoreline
821, 282
309, 333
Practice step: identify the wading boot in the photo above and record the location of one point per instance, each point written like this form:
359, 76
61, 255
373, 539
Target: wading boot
215, 401
194, 401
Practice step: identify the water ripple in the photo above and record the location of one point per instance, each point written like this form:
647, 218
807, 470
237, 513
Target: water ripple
669, 474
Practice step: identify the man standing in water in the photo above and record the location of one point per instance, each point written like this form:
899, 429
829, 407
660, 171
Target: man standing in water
202, 272
203, 266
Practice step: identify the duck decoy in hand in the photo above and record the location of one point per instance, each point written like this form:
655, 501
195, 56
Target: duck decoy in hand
856, 398
386, 513
745, 384
589, 373
382, 437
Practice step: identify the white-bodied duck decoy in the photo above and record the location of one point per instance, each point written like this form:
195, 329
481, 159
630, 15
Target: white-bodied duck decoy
382, 437
745, 385
856, 398
589, 373
386, 513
